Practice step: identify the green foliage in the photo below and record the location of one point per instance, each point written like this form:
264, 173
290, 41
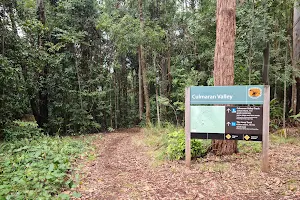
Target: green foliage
110, 129
278, 140
84, 58
181, 79
295, 117
37, 168
12, 99
241, 76
20, 130
176, 146
276, 112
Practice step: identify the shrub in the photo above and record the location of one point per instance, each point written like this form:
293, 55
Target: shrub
38, 168
276, 111
176, 146
19, 130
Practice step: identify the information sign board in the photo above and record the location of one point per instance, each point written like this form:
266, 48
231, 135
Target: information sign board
228, 113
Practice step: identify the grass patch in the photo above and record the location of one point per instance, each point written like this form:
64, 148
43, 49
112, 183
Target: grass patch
38, 168
157, 139
161, 143
249, 147
169, 143
277, 139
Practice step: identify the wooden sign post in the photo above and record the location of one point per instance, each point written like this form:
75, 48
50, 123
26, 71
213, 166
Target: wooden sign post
207, 117
266, 122
187, 129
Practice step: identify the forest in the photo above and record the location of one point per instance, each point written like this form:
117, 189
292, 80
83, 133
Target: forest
76, 65
72, 68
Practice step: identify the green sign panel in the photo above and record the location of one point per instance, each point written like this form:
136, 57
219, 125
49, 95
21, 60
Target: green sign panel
250, 94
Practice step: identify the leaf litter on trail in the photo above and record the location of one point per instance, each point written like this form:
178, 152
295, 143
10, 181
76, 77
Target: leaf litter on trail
125, 171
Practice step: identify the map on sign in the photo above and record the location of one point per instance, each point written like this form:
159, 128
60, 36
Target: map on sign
208, 119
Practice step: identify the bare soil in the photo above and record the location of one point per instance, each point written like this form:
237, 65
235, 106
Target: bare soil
123, 168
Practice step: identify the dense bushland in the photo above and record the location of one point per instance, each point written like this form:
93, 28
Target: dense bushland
75, 65
35, 166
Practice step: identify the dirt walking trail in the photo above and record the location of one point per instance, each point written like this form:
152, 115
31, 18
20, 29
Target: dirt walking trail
124, 169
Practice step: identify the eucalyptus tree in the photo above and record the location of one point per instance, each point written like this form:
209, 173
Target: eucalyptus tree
224, 60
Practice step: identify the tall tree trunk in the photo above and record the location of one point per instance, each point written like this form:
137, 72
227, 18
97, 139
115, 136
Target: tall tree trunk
169, 71
156, 90
163, 85
284, 88
157, 105
266, 55
42, 117
143, 68
3, 45
78, 77
110, 102
296, 54
166, 79
124, 102
141, 100
116, 100
224, 61
251, 46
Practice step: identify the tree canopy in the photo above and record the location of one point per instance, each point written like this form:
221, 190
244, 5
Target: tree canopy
74, 64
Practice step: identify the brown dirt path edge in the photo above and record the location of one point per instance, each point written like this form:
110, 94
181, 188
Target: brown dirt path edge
123, 170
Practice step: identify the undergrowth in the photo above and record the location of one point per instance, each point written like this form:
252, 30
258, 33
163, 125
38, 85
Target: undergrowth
168, 142
278, 139
249, 147
38, 167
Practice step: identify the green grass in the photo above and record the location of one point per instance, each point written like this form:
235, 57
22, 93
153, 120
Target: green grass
38, 168
249, 147
158, 140
168, 143
278, 139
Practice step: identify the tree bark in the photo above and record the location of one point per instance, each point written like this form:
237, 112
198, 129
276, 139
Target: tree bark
156, 90
157, 105
110, 102
42, 115
296, 54
169, 71
141, 101
124, 82
166, 79
116, 101
143, 68
224, 61
266, 55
